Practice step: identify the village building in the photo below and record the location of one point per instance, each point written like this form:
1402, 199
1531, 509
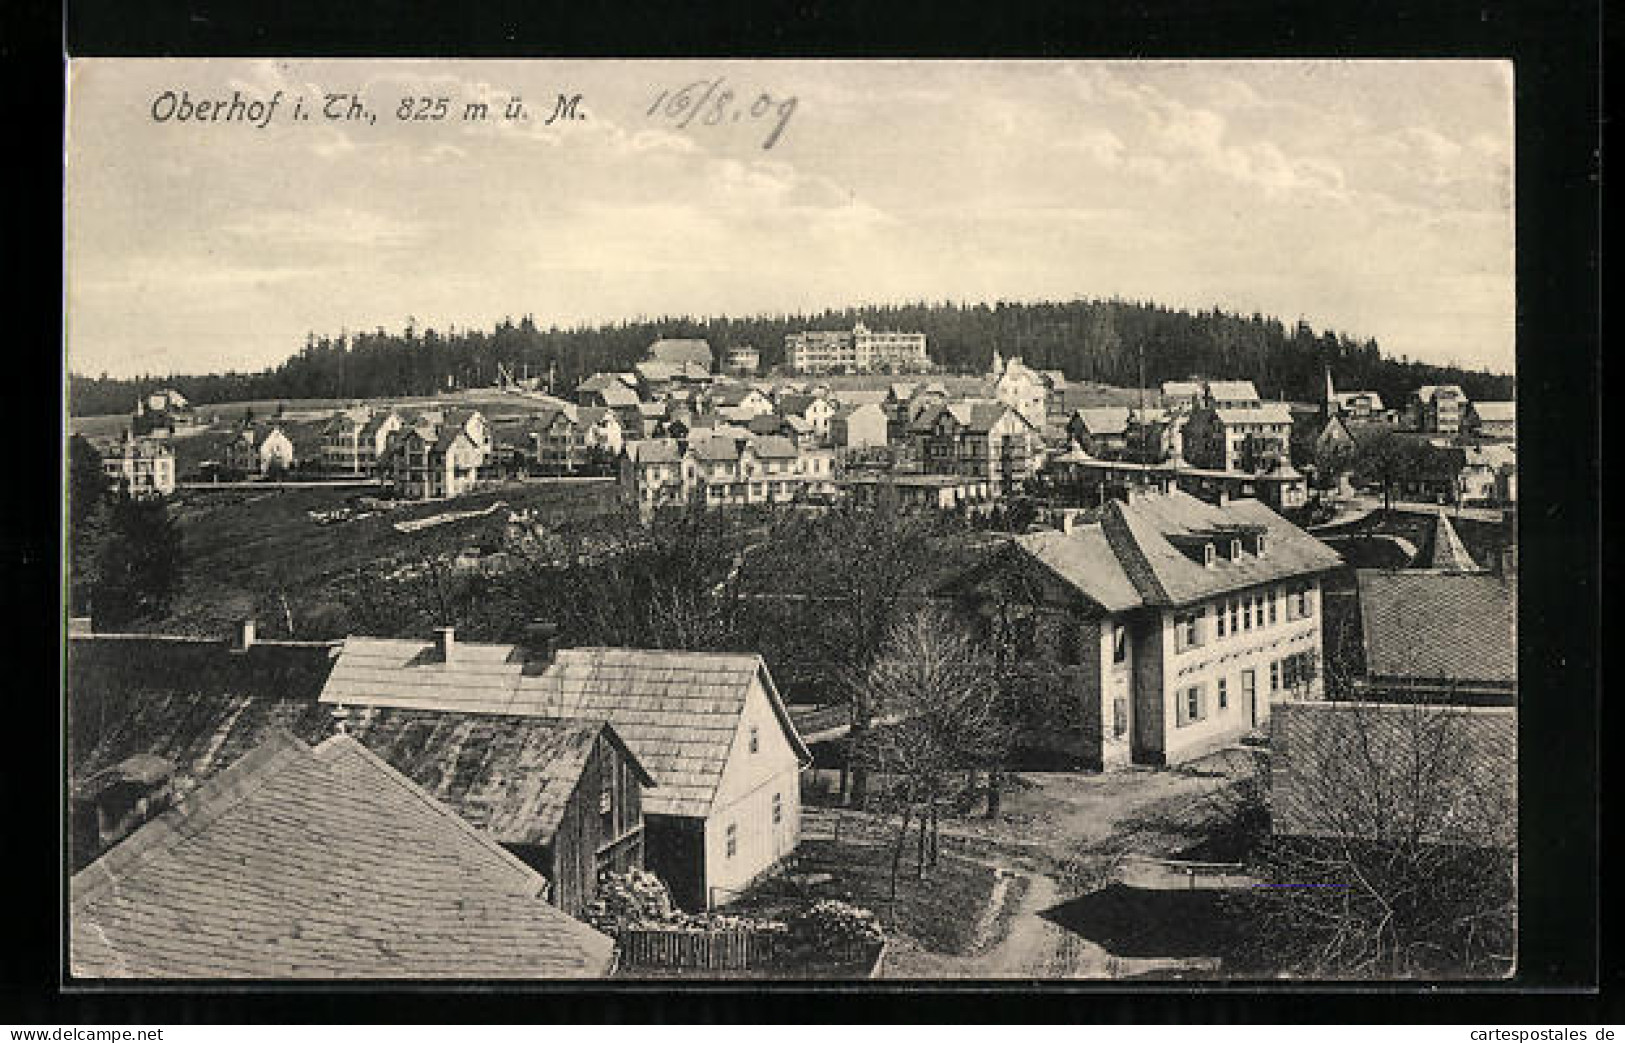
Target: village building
915, 491
742, 360
1346, 770
859, 350
259, 449
1489, 475
662, 379
1437, 408
608, 389
816, 410
139, 467
683, 351
1219, 394
1027, 391
747, 400
1229, 438
1119, 432
858, 427
710, 728
1441, 634
1161, 631
437, 466
318, 863
982, 439
1498, 420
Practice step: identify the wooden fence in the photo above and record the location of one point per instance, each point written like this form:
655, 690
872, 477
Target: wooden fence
741, 949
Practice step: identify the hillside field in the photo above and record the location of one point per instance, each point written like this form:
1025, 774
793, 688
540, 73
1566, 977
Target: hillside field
241, 547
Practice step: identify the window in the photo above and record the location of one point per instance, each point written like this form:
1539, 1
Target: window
1119, 643
1260, 551
733, 839
1235, 612
755, 739
1187, 630
778, 808
1235, 550
1275, 676
1207, 554
1272, 600
1247, 613
1219, 630
1189, 706
1224, 693
1119, 717
1306, 606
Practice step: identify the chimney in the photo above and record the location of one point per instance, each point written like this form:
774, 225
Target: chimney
245, 635
445, 643
542, 640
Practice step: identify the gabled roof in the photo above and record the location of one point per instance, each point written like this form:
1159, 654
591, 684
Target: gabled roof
591, 416
1267, 413
1084, 559
731, 394
655, 371
765, 424
1104, 420
653, 451
376, 422
715, 449
618, 395
1140, 532
1438, 626
677, 711
1232, 390
1448, 553
1427, 392
691, 350
774, 447
324, 863
796, 405
1496, 412
511, 775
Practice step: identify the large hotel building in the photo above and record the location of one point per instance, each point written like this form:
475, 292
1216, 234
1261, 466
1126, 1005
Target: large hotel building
859, 350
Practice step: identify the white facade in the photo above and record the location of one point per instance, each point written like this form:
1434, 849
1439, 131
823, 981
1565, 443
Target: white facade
755, 818
140, 467
860, 350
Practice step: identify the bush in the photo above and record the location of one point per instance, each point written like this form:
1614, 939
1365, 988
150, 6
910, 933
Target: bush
835, 927
635, 898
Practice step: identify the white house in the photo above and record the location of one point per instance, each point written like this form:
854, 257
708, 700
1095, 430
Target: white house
710, 728
140, 467
260, 449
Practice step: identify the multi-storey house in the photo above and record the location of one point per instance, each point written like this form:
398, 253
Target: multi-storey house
1161, 631
1438, 408
1229, 438
139, 467
978, 438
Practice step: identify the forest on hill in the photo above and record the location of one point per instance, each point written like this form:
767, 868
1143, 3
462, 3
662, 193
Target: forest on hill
1098, 340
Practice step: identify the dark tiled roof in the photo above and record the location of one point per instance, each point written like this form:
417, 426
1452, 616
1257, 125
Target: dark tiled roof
1139, 535
1346, 769
1433, 626
774, 447
691, 350
510, 775
676, 711
796, 405
319, 864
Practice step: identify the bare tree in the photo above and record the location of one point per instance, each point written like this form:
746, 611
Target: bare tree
1394, 825
937, 689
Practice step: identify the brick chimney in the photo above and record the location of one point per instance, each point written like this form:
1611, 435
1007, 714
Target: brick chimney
445, 643
244, 638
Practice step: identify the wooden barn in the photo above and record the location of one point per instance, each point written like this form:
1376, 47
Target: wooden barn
710, 729
153, 718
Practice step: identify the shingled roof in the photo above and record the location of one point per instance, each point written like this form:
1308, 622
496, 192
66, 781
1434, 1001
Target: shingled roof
1084, 559
1140, 531
676, 711
1350, 769
682, 350
1439, 627
324, 864
511, 775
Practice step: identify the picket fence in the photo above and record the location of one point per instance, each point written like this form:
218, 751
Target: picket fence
740, 949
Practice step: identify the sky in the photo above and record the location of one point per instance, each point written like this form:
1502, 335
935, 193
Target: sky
1375, 198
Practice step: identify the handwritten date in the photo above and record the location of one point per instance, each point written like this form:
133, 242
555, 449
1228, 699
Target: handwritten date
714, 103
